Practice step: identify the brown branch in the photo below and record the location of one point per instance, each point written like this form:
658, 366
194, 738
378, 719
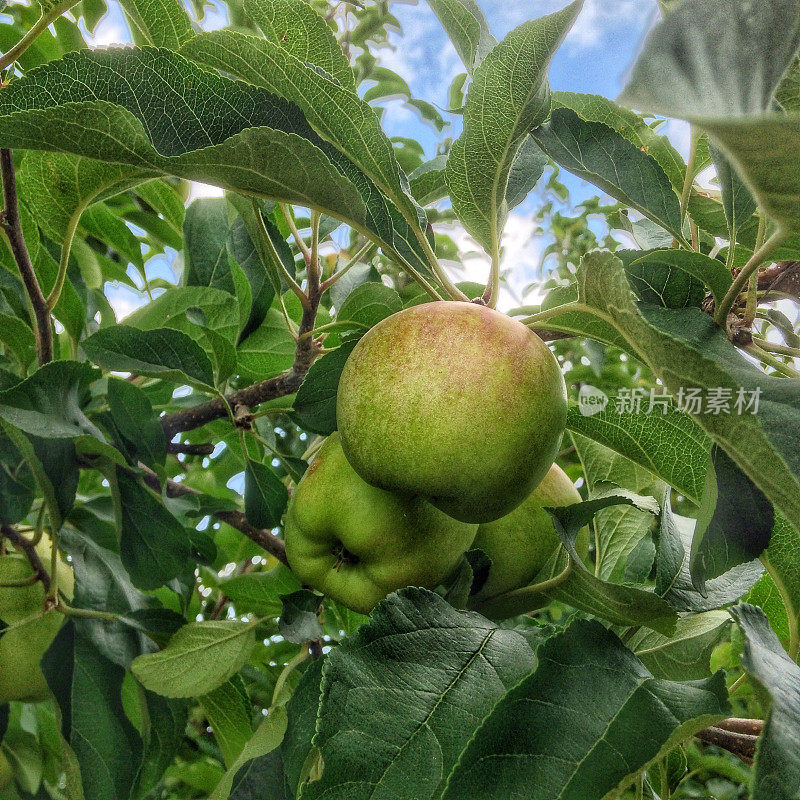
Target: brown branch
281, 385
24, 544
753, 727
10, 223
236, 519
203, 449
742, 745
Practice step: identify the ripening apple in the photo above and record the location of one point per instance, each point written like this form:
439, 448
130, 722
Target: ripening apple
29, 632
356, 543
521, 543
453, 402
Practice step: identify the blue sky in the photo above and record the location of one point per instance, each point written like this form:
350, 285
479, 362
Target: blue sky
595, 58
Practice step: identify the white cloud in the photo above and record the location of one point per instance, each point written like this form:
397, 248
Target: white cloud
519, 265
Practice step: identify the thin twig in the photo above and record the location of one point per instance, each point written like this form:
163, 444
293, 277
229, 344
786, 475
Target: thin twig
201, 449
27, 547
12, 226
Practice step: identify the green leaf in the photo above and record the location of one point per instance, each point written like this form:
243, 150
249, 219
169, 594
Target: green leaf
368, 304
162, 23
686, 350
777, 765
675, 583
782, 561
514, 76
154, 546
49, 403
205, 236
260, 592
164, 726
595, 108
618, 530
337, 115
670, 276
693, 67
596, 737
602, 156
315, 402
788, 91
427, 181
106, 745
267, 351
528, 167
265, 495
418, 720
59, 187
103, 104
104, 585
686, 654
200, 657
296, 26
228, 712
246, 777
671, 445
161, 353
737, 201
298, 622
19, 339
302, 721
17, 487
467, 28
136, 422
734, 522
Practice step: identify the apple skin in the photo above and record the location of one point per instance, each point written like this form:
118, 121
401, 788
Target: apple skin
6, 771
22, 648
454, 402
356, 543
522, 542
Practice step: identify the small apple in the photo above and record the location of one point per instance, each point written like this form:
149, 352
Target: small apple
357, 543
29, 631
456, 403
522, 542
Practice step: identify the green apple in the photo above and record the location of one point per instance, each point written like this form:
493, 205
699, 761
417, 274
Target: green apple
357, 543
29, 631
522, 542
454, 402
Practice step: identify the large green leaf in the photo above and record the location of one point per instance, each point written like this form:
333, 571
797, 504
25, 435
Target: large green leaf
296, 26
106, 104
154, 546
106, 744
365, 154
49, 403
162, 23
685, 349
596, 108
508, 96
717, 64
466, 25
160, 353
595, 737
228, 711
777, 766
200, 657
601, 155
416, 720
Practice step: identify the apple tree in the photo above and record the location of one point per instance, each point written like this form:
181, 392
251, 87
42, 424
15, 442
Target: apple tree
311, 516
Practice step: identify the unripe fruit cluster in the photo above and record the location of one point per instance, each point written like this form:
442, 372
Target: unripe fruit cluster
450, 416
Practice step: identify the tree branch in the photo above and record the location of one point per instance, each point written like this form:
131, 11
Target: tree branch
13, 228
20, 542
742, 745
